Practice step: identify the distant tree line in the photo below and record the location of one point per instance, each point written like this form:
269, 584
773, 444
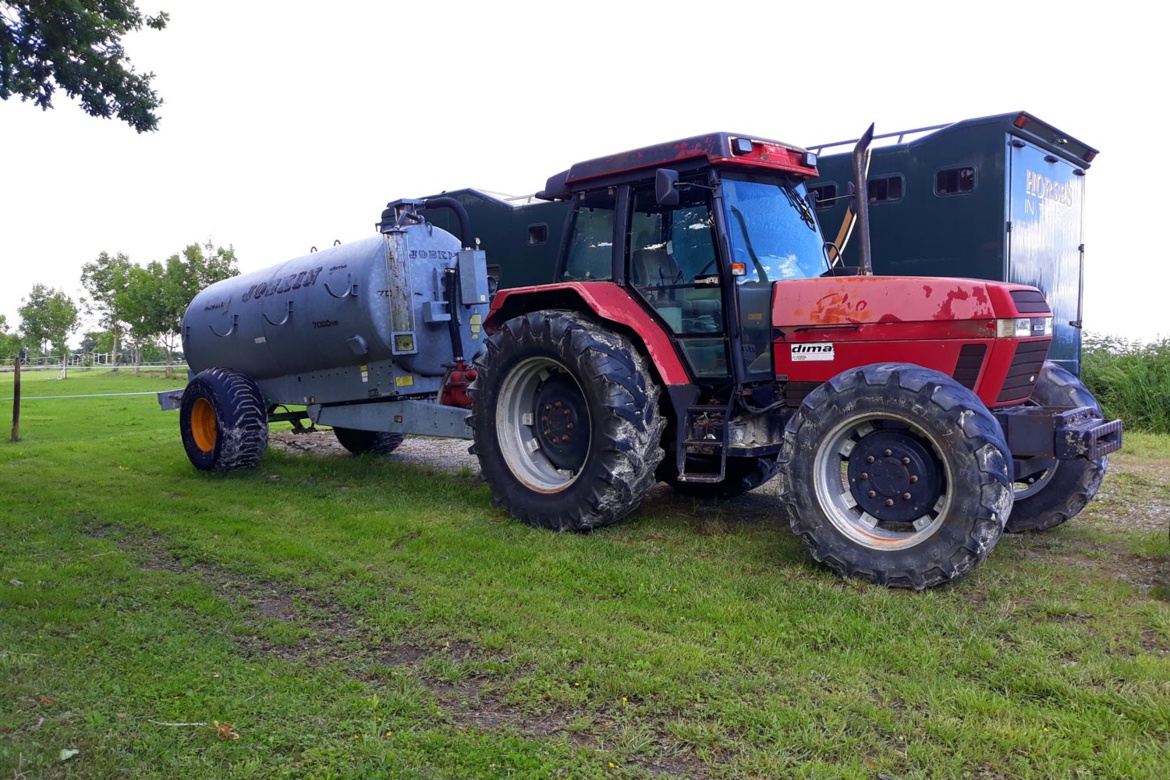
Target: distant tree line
138, 309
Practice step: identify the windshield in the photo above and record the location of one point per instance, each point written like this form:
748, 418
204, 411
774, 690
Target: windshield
772, 230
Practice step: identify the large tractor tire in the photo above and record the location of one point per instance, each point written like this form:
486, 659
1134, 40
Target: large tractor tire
1063, 488
742, 475
223, 421
566, 421
360, 442
896, 474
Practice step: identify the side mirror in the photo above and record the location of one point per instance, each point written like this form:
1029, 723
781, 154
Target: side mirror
666, 187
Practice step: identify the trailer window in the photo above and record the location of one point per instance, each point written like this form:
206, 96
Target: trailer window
954, 181
885, 188
590, 254
823, 195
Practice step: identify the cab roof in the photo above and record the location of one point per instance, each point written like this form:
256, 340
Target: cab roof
714, 148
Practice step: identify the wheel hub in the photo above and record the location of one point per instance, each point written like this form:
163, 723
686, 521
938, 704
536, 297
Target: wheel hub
559, 411
894, 476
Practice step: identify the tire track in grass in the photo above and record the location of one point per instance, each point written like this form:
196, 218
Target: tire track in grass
330, 634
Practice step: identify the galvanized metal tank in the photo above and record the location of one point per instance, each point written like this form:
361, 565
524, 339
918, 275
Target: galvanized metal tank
381, 305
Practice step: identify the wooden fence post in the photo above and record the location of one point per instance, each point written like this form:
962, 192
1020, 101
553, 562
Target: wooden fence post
16, 400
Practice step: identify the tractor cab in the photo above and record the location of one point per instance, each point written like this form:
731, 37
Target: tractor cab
697, 230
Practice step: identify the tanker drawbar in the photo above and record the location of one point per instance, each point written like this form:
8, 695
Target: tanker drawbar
364, 335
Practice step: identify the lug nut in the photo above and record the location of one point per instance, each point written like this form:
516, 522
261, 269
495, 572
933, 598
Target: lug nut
869, 459
905, 461
905, 496
558, 404
913, 478
889, 502
864, 475
871, 494
888, 453
569, 426
565, 439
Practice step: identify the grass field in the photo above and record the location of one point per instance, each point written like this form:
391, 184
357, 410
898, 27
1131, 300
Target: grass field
329, 617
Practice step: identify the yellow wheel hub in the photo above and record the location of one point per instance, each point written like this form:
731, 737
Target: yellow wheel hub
203, 425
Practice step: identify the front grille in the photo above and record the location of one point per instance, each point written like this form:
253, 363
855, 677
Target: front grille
1025, 367
1030, 302
970, 361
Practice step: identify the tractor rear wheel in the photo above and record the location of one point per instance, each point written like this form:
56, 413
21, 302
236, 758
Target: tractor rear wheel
360, 442
222, 421
566, 421
1060, 490
896, 474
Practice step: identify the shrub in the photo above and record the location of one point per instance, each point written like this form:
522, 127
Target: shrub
1130, 379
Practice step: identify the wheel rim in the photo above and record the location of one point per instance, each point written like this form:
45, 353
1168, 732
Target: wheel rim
882, 482
543, 424
203, 425
1033, 484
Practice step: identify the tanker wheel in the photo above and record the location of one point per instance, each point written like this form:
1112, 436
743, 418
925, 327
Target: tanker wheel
360, 442
896, 474
223, 421
742, 475
566, 421
1062, 488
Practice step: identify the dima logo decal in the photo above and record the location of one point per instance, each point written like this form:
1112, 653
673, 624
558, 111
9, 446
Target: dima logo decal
803, 352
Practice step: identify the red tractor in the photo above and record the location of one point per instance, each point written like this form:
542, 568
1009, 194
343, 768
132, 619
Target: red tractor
699, 332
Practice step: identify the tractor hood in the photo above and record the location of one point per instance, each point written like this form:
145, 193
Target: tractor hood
970, 305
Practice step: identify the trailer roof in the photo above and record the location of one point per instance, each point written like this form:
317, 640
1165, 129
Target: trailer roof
1019, 123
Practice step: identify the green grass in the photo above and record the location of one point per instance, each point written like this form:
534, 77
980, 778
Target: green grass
357, 618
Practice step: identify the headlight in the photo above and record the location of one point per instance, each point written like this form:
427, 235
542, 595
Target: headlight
1023, 327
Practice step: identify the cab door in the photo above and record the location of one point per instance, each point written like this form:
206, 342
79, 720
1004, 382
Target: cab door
672, 264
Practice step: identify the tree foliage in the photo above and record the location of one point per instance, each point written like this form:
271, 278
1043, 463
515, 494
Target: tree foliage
106, 281
76, 45
157, 296
9, 342
48, 316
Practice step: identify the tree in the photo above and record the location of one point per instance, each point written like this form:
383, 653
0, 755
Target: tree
49, 316
77, 45
106, 280
143, 307
9, 343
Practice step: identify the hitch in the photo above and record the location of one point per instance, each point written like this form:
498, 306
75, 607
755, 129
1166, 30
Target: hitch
1061, 433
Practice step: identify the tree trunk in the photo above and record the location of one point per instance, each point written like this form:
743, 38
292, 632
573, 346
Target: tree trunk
65, 366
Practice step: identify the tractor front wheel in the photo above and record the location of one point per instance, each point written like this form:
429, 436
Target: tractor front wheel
566, 421
896, 474
222, 421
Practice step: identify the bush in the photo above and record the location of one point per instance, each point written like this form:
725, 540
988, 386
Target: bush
1130, 379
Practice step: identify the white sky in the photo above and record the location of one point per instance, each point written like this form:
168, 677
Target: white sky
291, 124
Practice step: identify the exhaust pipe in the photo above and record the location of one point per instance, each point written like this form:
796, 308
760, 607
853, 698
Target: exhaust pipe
861, 201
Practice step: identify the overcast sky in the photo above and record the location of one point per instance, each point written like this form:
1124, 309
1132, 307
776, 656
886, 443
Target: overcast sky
291, 124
